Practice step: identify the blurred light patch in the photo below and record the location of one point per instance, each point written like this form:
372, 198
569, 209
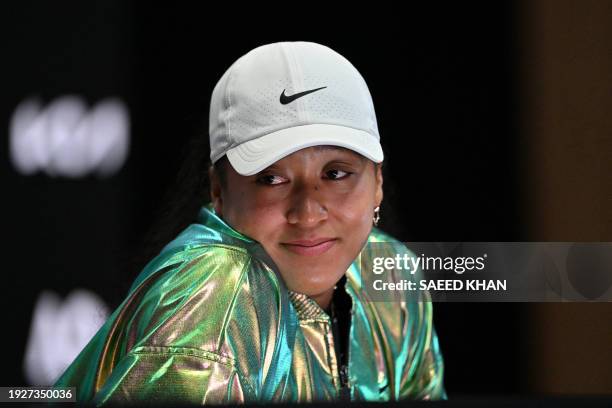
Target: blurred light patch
59, 331
68, 140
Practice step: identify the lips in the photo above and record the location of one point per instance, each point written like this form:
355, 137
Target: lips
310, 246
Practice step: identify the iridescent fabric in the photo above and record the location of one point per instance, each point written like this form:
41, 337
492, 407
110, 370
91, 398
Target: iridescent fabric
210, 320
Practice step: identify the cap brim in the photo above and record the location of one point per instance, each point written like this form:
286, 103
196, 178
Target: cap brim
255, 155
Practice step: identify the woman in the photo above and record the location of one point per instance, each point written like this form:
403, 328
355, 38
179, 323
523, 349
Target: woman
262, 298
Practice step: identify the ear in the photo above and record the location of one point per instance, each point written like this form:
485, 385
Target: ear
379, 183
216, 191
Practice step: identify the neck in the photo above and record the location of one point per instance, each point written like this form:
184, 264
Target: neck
324, 299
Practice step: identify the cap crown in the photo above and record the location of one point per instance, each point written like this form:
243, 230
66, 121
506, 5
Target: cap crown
246, 102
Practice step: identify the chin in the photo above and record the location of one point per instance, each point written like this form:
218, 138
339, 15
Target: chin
310, 275
309, 286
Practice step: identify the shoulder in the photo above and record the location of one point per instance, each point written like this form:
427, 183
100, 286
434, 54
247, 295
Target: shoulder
383, 250
382, 281
196, 295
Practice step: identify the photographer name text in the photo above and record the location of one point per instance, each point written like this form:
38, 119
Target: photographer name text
443, 285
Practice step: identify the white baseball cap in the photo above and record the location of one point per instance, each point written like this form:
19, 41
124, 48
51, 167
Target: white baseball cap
282, 97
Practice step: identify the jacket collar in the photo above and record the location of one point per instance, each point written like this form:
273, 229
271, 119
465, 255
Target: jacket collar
224, 232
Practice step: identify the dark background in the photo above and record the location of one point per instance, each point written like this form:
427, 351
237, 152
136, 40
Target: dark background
446, 83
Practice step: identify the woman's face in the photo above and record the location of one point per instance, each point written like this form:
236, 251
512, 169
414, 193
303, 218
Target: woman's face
311, 211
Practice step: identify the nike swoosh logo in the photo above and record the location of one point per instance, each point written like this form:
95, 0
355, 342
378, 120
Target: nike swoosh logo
285, 99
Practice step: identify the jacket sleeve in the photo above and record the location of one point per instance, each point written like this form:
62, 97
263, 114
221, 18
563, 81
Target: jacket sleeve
423, 378
167, 341
176, 375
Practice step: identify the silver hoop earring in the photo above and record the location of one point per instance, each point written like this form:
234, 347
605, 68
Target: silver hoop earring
376, 217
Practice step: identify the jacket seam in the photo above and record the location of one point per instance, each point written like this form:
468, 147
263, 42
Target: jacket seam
187, 351
217, 245
197, 353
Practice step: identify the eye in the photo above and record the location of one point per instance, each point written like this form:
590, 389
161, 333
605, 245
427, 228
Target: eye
270, 179
337, 174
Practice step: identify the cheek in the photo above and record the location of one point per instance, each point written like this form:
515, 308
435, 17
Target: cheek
356, 209
255, 219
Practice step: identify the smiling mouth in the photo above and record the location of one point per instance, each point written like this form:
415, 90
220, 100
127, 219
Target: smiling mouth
316, 247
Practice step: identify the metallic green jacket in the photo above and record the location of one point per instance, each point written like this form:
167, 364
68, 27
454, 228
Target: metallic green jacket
209, 320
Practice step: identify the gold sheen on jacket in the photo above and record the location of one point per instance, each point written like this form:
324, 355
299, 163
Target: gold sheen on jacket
210, 321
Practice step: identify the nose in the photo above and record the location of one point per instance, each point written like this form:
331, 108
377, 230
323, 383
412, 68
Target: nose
307, 208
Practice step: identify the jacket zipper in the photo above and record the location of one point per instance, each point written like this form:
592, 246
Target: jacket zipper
344, 393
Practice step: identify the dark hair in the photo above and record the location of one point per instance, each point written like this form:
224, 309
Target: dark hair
179, 206
190, 191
